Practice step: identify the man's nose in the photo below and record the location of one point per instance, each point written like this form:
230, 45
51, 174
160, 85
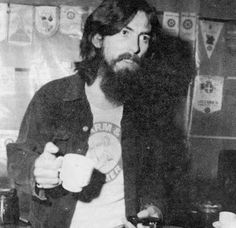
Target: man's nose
134, 46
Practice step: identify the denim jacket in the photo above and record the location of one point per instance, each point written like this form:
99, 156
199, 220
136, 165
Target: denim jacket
59, 112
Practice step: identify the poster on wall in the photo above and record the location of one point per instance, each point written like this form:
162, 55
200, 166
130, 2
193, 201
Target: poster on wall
46, 20
3, 21
208, 93
171, 23
188, 26
72, 19
210, 31
20, 24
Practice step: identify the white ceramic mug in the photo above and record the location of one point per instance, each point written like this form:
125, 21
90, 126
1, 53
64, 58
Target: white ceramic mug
76, 171
226, 220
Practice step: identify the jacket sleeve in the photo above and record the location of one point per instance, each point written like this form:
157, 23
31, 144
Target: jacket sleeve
28, 146
151, 180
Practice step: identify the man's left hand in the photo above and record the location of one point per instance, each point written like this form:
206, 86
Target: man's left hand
150, 211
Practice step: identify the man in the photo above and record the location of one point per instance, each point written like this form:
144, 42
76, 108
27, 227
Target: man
97, 113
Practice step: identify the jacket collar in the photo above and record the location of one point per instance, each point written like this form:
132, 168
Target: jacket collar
75, 88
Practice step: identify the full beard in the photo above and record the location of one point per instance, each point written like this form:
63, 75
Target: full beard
123, 85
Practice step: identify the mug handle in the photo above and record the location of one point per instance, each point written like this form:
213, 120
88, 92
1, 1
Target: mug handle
60, 159
216, 224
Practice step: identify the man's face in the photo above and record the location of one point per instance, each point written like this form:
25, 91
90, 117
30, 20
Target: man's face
124, 49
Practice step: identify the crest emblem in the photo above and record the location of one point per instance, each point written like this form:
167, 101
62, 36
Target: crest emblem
46, 20
208, 93
170, 23
72, 20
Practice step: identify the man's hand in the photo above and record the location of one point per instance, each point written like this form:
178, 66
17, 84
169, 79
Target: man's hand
217, 224
46, 167
150, 211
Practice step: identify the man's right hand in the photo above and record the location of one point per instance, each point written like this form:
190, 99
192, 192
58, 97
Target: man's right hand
47, 166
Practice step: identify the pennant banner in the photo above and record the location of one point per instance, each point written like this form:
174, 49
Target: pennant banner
71, 20
3, 21
208, 93
188, 26
210, 32
171, 23
20, 24
46, 20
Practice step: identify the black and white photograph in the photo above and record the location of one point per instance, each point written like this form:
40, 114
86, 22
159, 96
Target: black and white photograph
117, 114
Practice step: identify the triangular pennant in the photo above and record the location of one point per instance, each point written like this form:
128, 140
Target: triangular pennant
210, 31
171, 23
3, 21
20, 24
188, 26
46, 20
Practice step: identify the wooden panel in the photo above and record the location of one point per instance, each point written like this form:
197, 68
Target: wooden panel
93, 3
165, 5
161, 5
176, 5
204, 157
225, 9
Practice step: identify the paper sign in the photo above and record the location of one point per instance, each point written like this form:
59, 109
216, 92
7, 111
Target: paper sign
71, 20
171, 23
188, 26
208, 93
46, 20
210, 32
20, 24
3, 21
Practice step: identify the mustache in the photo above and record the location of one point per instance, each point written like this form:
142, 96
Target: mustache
135, 58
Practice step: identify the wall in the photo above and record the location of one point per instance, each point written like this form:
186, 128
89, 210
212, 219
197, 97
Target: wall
203, 149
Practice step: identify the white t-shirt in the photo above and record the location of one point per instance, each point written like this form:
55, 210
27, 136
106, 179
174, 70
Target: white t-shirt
108, 210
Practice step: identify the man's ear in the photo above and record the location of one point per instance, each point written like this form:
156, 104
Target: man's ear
97, 40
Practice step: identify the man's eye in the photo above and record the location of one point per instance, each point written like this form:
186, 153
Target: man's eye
145, 38
124, 32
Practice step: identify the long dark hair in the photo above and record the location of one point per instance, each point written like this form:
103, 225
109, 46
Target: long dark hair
109, 18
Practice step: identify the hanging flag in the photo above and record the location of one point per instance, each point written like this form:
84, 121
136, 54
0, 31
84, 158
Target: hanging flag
20, 24
188, 26
171, 23
3, 21
71, 20
46, 20
208, 93
210, 32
